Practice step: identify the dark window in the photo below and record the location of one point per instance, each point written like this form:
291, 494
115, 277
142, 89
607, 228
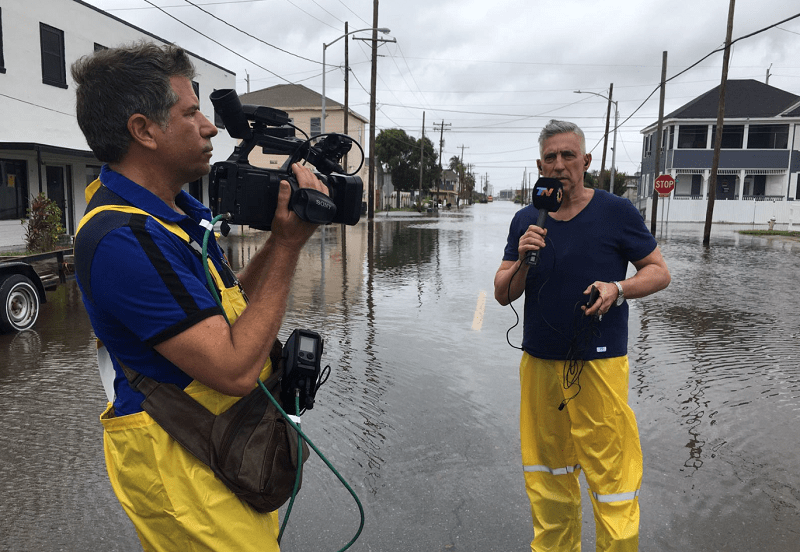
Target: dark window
768, 137
316, 126
759, 184
2, 59
697, 182
54, 68
672, 137
732, 136
196, 88
99, 47
693, 136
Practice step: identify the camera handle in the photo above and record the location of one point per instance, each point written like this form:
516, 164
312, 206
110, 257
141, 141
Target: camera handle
311, 205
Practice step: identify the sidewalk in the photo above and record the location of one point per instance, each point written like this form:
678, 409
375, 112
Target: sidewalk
12, 235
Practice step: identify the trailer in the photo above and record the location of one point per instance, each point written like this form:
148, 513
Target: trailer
24, 282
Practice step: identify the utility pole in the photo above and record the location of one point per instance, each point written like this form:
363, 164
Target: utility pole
421, 159
461, 175
712, 192
605, 137
658, 141
346, 92
372, 87
441, 143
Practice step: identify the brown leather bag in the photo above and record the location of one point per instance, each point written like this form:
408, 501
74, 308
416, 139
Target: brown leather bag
250, 447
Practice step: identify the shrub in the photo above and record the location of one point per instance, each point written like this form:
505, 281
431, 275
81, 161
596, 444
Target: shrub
44, 225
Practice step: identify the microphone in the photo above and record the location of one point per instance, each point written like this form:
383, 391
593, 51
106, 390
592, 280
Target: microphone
547, 196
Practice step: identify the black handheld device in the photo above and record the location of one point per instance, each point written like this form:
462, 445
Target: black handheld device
593, 295
302, 355
547, 196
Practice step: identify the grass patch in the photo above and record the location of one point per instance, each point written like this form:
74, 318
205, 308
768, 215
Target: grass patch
785, 233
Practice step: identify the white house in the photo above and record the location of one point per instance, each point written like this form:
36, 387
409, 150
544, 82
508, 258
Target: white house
759, 164
42, 149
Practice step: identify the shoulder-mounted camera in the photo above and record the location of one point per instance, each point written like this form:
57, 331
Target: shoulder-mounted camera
250, 194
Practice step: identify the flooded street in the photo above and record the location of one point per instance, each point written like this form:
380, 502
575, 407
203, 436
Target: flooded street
420, 413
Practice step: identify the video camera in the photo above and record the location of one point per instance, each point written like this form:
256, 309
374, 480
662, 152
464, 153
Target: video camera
250, 194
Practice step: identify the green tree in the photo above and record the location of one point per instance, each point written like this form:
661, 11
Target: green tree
399, 154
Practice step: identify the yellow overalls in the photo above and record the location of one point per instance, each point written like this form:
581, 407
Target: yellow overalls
175, 501
596, 432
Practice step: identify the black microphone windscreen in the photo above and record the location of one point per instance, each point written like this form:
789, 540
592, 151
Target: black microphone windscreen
547, 194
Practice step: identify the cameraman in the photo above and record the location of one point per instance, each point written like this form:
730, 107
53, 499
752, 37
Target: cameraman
146, 293
574, 412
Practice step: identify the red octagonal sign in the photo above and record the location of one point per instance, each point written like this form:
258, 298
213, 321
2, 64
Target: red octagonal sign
664, 184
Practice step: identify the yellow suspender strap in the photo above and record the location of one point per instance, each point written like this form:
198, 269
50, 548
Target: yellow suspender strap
171, 226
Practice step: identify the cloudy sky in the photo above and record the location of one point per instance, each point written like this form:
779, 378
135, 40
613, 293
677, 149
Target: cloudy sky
493, 71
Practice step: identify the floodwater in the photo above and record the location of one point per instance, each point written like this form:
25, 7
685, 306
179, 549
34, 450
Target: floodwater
420, 412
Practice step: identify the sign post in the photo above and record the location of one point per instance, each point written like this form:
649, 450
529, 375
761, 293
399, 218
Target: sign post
664, 185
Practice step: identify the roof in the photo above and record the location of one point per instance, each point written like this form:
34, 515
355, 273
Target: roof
291, 96
743, 99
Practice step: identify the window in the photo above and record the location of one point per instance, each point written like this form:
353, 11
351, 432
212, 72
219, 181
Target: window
2, 59
732, 136
54, 68
768, 137
315, 126
693, 136
99, 47
196, 89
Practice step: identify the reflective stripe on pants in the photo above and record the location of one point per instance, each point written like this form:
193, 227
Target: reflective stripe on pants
595, 433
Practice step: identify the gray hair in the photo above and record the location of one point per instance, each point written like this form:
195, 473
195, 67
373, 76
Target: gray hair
560, 127
116, 83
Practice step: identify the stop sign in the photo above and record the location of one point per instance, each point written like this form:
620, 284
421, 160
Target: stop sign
664, 184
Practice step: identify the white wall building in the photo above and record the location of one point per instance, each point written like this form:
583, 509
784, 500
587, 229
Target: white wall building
42, 149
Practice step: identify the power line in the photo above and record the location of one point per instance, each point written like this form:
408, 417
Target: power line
219, 43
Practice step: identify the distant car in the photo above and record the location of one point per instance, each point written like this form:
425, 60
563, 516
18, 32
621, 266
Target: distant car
21, 293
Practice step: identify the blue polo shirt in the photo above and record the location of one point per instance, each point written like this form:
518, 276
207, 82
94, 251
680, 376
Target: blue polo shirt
141, 283
596, 244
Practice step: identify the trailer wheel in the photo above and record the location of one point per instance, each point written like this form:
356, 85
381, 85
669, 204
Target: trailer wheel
20, 304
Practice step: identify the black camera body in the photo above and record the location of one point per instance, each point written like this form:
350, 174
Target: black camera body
250, 194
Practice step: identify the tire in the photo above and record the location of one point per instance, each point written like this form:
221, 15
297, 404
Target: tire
20, 304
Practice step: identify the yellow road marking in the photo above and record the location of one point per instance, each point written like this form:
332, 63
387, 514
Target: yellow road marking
477, 321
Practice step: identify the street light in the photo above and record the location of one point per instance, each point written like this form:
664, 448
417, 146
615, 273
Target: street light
324, 48
614, 147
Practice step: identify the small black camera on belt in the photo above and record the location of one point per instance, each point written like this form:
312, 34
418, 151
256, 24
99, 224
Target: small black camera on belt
250, 194
302, 355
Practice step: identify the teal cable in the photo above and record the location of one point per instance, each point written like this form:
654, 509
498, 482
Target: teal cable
210, 281
324, 459
299, 471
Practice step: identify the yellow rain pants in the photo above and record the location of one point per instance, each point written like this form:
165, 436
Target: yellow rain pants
175, 502
596, 432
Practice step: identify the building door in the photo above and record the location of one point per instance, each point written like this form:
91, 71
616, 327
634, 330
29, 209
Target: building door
55, 190
13, 189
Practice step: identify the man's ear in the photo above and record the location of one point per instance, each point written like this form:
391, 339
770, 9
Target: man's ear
587, 160
141, 129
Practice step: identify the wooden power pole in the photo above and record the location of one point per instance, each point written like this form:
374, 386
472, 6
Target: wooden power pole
712, 184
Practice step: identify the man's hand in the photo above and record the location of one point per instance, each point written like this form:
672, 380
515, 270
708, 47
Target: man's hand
531, 240
288, 229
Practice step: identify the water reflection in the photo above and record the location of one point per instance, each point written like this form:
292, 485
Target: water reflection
420, 412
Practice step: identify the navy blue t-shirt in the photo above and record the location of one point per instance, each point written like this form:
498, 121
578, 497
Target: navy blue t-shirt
596, 244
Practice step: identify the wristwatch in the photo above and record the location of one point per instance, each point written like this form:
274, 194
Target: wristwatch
620, 296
